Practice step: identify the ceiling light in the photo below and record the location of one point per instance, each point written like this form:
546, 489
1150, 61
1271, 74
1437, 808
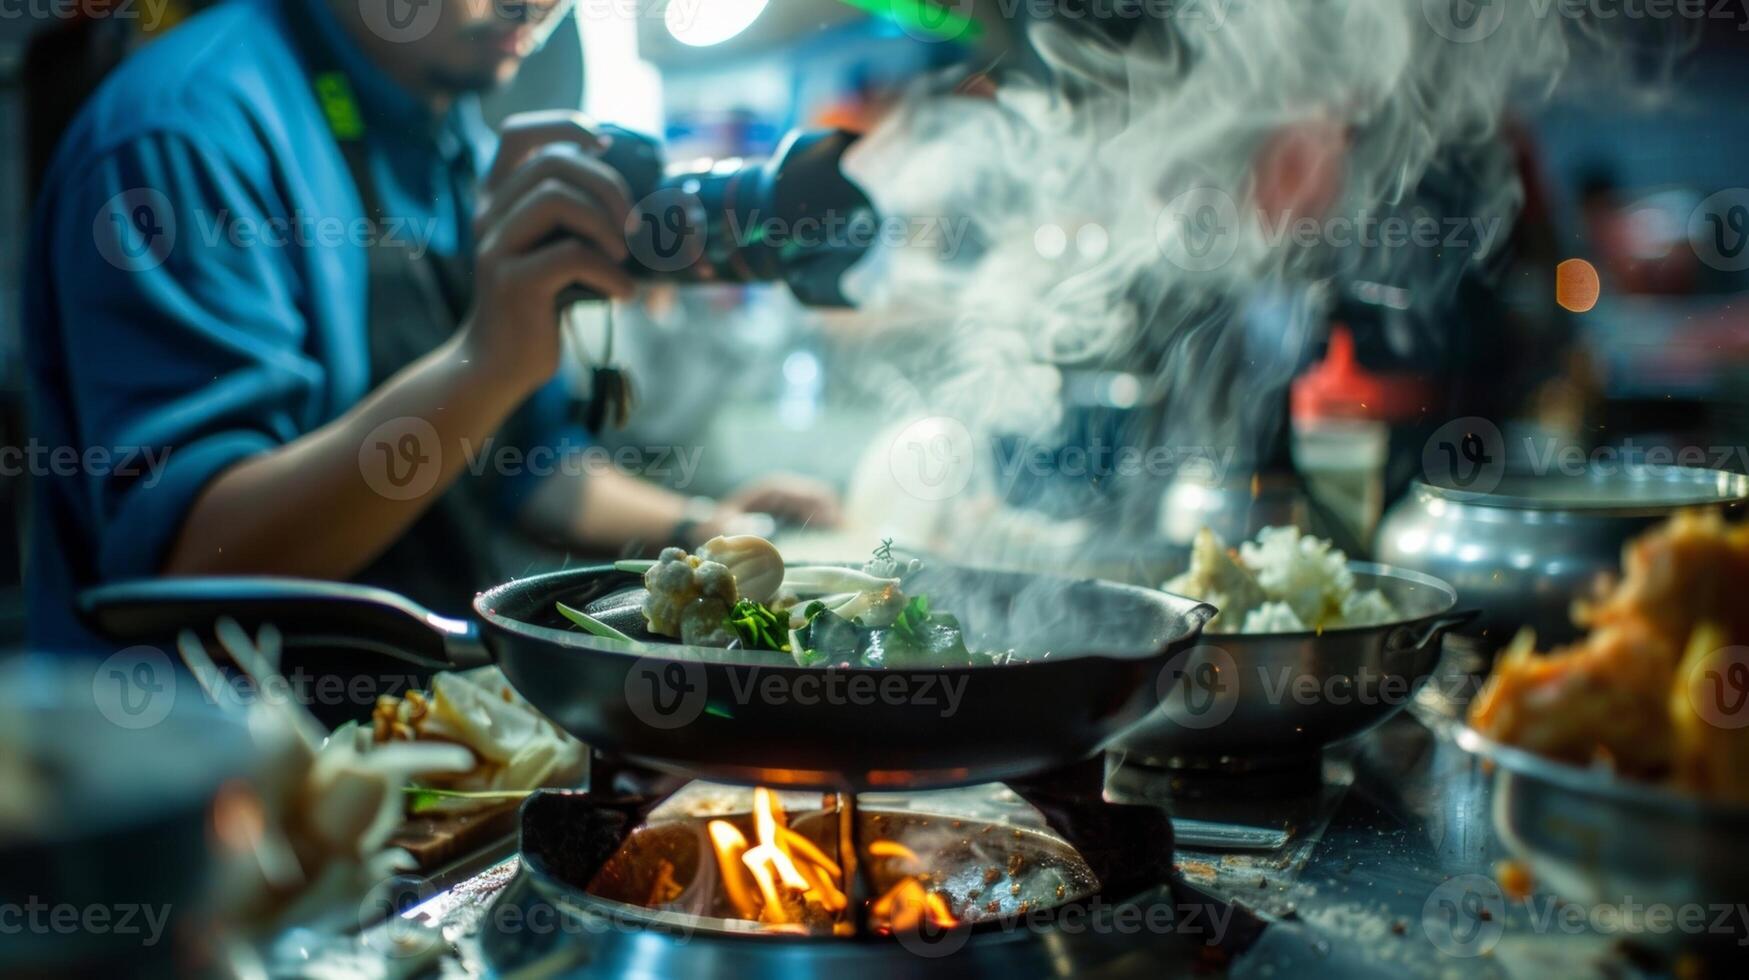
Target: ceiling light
701, 23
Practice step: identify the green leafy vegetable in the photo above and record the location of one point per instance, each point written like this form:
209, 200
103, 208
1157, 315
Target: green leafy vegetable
758, 627
917, 638
828, 638
590, 623
913, 617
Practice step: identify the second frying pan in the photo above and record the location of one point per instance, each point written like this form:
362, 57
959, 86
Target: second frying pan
1087, 664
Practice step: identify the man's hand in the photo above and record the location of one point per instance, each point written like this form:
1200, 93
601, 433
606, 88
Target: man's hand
551, 215
791, 499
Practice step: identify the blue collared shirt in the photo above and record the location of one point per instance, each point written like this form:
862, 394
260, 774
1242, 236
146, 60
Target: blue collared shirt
196, 289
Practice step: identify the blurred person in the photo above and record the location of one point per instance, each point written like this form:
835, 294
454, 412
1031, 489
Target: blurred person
256, 379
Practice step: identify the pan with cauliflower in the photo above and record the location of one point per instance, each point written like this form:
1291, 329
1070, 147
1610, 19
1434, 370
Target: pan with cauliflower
737, 593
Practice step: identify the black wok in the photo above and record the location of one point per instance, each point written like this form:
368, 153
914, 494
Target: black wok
1087, 658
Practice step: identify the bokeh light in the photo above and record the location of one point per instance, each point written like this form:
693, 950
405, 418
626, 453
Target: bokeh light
1577, 285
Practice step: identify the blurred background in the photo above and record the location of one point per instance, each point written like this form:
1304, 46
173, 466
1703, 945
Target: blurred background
1601, 322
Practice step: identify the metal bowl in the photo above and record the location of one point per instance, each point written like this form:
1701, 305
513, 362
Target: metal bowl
121, 762
1248, 699
1597, 839
1522, 551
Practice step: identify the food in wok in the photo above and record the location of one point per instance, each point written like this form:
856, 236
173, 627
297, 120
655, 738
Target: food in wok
736, 592
1656, 691
1284, 582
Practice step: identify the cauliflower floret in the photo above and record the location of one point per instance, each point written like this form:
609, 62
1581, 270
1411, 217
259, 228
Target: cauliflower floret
1273, 617
1369, 608
702, 623
1285, 582
689, 598
715, 579
671, 575
1303, 571
1215, 578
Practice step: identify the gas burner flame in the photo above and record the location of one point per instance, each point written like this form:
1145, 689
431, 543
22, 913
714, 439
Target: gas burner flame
786, 881
907, 904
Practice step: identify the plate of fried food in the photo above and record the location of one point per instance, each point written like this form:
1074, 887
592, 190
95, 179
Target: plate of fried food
1621, 761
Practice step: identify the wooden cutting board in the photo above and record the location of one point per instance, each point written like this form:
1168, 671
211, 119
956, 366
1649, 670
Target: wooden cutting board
439, 838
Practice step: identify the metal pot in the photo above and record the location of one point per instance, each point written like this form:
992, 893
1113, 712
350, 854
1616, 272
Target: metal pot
1248, 699
1598, 839
1523, 551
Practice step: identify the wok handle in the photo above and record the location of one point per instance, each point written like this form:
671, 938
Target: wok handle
1441, 625
308, 613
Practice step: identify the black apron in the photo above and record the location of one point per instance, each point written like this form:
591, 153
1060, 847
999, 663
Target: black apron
417, 299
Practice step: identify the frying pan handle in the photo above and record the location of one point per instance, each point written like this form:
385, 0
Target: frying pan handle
1438, 627
308, 614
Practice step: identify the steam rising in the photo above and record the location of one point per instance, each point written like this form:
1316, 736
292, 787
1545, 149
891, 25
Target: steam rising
1255, 108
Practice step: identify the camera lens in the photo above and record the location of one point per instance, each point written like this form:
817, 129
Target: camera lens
794, 217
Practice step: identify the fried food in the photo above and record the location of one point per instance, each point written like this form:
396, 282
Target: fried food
1601, 701
1634, 694
1711, 741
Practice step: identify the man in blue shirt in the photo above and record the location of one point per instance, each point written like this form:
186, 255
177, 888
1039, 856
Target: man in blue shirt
288, 284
